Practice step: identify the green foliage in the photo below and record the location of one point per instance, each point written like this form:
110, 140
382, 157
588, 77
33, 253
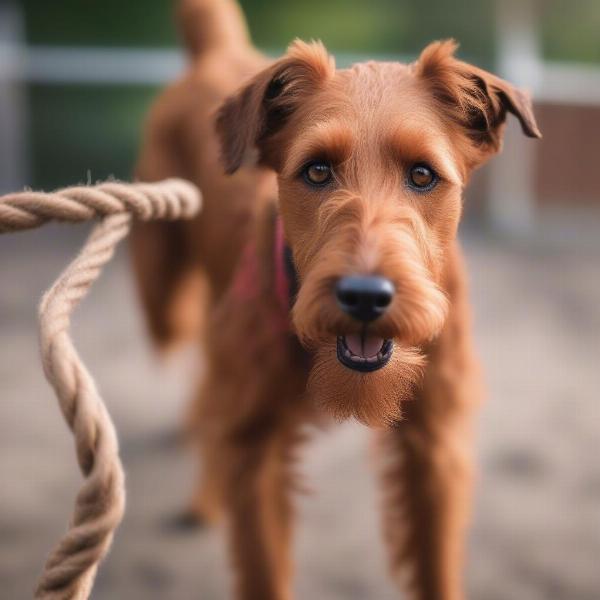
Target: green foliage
77, 129
100, 22
389, 27
571, 30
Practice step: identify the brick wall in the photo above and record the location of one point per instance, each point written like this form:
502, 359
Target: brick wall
568, 159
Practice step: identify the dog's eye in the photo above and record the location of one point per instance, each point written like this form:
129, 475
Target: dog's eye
422, 177
317, 173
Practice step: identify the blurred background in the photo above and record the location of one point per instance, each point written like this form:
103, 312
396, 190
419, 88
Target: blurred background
76, 80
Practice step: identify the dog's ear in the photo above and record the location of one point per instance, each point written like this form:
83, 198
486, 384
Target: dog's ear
249, 119
474, 98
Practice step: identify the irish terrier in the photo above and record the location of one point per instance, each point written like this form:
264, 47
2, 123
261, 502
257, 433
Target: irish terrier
326, 265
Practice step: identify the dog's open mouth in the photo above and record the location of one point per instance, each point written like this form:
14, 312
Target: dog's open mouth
364, 353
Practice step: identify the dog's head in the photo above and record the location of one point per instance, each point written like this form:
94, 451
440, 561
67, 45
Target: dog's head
371, 163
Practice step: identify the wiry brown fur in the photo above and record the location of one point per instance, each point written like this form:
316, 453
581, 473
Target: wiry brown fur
372, 123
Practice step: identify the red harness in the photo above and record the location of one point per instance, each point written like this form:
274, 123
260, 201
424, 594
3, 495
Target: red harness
284, 285
246, 281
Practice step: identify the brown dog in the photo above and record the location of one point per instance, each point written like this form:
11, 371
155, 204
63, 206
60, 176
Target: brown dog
362, 171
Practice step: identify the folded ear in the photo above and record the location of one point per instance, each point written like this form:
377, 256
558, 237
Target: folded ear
474, 98
248, 120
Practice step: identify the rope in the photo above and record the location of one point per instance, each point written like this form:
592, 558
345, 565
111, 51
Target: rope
71, 567
170, 199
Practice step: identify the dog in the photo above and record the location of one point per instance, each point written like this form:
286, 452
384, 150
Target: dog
324, 280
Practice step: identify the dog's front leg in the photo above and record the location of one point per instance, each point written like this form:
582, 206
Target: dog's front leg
427, 472
427, 484
258, 503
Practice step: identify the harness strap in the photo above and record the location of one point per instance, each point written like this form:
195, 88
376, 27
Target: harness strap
245, 285
286, 278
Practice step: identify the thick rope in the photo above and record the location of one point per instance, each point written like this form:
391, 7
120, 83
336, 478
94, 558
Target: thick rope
170, 199
71, 568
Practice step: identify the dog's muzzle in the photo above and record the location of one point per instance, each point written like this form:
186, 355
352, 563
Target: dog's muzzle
365, 298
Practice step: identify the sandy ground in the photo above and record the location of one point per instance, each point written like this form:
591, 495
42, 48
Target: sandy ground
536, 531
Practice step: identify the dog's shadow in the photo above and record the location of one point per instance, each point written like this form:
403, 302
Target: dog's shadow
165, 447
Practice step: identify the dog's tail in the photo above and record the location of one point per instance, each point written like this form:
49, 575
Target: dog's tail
211, 24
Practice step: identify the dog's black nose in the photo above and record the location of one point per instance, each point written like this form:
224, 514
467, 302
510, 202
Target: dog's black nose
364, 297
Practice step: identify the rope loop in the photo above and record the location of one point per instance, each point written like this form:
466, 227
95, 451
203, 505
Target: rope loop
99, 507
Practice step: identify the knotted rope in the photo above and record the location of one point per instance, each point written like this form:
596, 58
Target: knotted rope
71, 568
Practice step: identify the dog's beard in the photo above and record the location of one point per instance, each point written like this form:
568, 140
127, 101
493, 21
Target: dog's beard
375, 399
366, 372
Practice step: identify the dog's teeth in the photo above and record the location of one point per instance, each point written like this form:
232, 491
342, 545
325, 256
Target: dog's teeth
348, 354
379, 356
373, 359
358, 359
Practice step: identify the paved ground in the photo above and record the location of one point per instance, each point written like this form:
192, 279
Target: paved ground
536, 533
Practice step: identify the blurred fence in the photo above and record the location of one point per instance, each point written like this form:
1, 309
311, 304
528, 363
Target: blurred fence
512, 193
511, 202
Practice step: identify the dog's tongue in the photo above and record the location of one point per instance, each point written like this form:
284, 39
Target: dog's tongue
366, 346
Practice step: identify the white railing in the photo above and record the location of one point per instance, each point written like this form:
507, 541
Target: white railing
100, 66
